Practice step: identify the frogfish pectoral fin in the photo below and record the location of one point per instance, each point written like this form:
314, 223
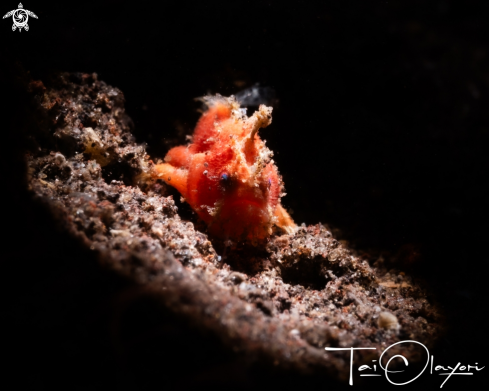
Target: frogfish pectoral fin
283, 220
176, 177
178, 156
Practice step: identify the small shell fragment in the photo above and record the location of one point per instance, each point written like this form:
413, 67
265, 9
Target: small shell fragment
388, 321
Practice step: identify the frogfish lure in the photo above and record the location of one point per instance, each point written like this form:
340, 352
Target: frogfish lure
227, 174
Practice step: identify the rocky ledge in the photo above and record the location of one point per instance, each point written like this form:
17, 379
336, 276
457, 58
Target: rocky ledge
280, 304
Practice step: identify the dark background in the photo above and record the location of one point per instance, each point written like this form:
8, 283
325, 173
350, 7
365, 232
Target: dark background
381, 131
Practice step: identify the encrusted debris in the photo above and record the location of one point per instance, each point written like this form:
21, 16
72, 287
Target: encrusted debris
282, 303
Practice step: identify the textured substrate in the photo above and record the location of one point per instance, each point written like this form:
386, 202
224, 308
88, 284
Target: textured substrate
280, 304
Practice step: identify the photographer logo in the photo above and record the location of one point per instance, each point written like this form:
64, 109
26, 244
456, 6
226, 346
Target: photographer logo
20, 16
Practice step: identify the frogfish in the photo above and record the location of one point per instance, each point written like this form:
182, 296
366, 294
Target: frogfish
227, 175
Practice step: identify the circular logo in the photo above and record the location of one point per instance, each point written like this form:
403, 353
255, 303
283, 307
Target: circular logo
20, 17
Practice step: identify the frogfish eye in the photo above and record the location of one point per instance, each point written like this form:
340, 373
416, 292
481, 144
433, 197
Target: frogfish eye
226, 182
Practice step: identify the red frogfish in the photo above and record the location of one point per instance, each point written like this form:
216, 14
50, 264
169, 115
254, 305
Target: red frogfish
227, 174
